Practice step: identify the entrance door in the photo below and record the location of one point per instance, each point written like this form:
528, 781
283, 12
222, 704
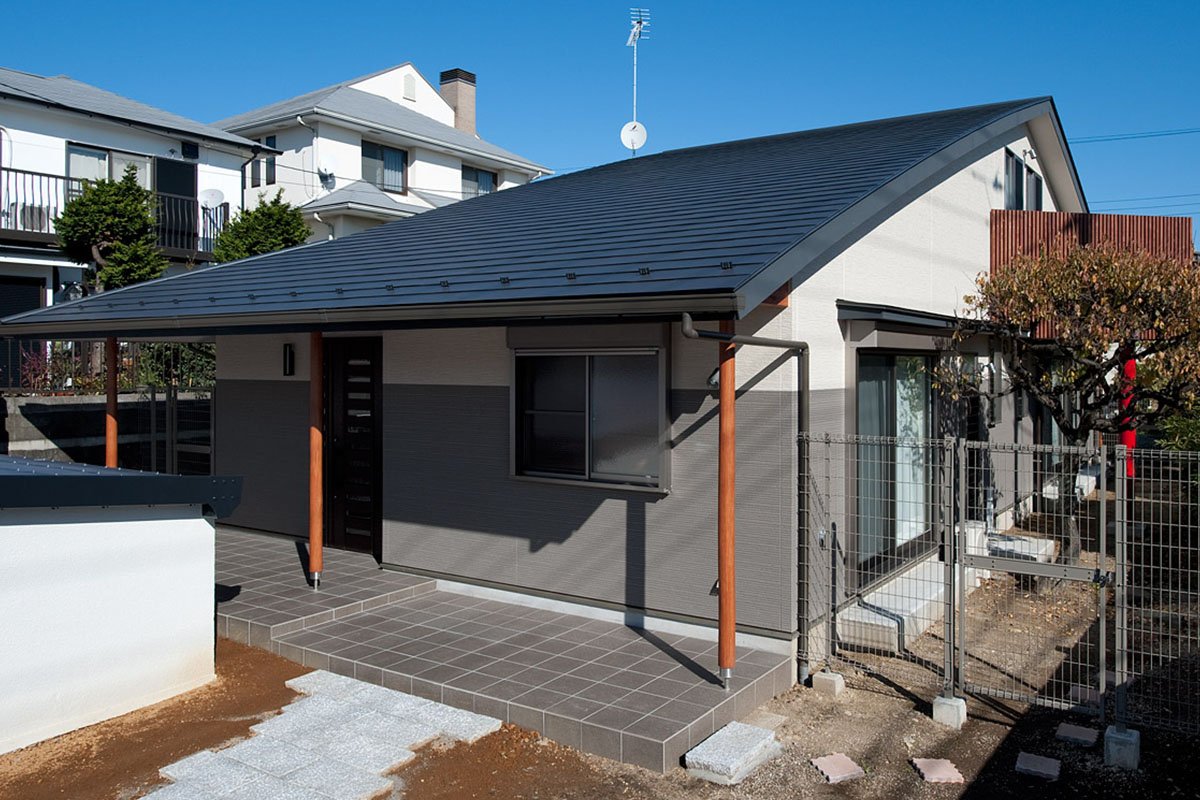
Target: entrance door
353, 453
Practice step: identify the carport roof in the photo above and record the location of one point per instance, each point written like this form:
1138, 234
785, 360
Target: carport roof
710, 230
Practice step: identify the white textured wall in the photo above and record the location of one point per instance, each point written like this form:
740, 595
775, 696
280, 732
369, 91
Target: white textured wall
36, 140
925, 257
105, 610
390, 85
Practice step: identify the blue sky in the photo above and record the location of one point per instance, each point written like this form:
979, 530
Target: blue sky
554, 77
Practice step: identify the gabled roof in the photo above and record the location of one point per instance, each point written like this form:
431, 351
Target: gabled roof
362, 195
711, 229
63, 92
354, 105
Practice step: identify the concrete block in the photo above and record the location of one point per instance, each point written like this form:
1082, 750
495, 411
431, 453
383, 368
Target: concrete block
937, 770
216, 773
838, 767
828, 683
180, 791
1077, 734
898, 611
1122, 748
732, 753
1022, 548
950, 711
1038, 766
765, 719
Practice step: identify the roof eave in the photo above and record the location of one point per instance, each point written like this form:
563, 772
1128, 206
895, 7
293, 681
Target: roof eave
436, 314
234, 140
822, 245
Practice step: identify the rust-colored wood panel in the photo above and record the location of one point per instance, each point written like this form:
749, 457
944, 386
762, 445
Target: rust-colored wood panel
1016, 233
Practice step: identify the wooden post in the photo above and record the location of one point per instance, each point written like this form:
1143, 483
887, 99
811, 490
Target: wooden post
111, 368
316, 458
726, 474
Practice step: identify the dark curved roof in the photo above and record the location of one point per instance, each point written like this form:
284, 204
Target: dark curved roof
714, 228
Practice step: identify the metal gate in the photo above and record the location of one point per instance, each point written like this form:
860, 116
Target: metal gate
1064, 577
955, 566
1032, 574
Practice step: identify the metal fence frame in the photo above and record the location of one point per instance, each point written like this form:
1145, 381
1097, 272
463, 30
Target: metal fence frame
1133, 653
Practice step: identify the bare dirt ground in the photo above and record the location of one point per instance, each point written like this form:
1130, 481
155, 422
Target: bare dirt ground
880, 725
119, 758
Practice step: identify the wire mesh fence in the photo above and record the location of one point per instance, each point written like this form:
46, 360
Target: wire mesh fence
1156, 670
1060, 576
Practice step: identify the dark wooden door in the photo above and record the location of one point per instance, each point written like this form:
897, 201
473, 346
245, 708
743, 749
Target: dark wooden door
353, 453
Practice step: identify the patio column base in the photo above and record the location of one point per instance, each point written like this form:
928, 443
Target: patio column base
315, 579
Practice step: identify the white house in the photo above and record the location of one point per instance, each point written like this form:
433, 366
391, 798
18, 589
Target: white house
376, 148
56, 132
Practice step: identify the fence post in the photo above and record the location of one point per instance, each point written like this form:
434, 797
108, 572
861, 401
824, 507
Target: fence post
949, 457
153, 428
831, 627
1119, 583
1101, 569
963, 477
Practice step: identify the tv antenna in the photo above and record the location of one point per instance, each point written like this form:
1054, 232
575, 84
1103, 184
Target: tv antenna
633, 134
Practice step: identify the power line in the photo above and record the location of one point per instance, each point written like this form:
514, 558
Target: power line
1120, 137
1140, 199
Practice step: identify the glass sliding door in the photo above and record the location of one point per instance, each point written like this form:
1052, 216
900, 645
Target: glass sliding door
894, 404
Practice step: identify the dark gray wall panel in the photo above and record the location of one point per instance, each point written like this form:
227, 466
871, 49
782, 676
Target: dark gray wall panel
262, 434
451, 507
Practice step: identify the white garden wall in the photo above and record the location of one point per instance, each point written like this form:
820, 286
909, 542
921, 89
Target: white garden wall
106, 610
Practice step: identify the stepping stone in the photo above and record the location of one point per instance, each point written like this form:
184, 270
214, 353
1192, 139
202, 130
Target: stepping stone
732, 753
838, 767
1077, 734
1038, 766
937, 770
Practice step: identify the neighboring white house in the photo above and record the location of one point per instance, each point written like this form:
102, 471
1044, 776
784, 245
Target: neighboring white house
376, 148
56, 132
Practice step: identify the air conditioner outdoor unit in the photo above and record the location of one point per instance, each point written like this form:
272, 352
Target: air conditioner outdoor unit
34, 218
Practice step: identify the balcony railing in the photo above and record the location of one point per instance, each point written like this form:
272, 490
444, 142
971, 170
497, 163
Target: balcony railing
30, 201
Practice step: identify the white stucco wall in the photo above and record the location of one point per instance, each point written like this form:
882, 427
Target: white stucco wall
390, 85
35, 139
924, 257
105, 610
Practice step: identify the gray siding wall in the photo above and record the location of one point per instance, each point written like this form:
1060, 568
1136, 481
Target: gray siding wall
451, 507
262, 435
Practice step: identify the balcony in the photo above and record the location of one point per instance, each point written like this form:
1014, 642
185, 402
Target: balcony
30, 202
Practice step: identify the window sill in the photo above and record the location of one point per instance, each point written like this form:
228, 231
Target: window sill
610, 487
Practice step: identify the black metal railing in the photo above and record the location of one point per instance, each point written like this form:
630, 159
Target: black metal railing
30, 202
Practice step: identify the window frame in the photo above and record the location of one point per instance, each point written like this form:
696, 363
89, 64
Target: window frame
1014, 182
477, 170
109, 152
590, 478
383, 185
269, 166
896, 558
1033, 181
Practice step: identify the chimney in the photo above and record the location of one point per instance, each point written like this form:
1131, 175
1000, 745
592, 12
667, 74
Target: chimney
458, 89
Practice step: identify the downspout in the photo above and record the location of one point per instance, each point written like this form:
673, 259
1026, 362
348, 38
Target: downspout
315, 161
255, 149
726, 479
329, 225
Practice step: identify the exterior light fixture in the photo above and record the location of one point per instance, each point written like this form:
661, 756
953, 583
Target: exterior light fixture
714, 380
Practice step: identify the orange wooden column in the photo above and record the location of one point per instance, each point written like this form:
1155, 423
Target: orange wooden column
316, 457
726, 475
110, 412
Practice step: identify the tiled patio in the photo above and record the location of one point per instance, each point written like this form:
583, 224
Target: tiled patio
632, 695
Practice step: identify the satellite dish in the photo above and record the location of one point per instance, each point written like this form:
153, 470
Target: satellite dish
633, 135
211, 198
